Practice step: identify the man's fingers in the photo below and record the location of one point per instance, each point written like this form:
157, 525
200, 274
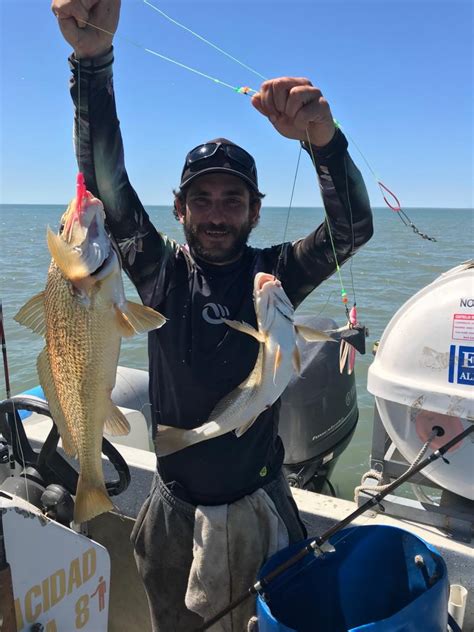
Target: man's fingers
286, 95
66, 9
257, 103
267, 101
283, 87
315, 112
300, 97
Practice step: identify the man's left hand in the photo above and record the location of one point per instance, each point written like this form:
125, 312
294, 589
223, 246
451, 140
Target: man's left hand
296, 109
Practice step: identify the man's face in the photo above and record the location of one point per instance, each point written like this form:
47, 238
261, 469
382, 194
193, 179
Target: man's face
218, 217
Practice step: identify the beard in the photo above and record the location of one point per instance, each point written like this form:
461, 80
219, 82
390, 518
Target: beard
217, 253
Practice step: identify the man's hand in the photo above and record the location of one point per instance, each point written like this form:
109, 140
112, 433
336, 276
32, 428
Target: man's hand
294, 105
87, 41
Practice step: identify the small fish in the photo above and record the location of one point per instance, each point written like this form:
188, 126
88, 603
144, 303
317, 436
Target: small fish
278, 358
83, 314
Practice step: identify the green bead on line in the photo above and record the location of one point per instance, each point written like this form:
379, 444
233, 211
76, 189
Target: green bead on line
244, 90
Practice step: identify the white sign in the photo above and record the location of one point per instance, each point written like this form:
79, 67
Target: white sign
60, 578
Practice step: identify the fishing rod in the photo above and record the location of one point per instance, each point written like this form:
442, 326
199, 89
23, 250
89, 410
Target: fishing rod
4, 354
315, 545
7, 608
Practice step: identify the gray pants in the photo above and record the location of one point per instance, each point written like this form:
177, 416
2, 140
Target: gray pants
163, 541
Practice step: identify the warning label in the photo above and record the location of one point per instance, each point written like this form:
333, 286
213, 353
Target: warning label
463, 327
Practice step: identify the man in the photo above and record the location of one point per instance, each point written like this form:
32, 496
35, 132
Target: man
195, 359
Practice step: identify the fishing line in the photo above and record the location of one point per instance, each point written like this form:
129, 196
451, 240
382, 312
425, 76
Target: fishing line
338, 269
258, 74
395, 206
352, 229
203, 39
325, 304
209, 43
239, 90
280, 256
382, 187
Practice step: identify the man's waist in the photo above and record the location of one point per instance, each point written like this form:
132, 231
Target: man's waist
223, 480
175, 490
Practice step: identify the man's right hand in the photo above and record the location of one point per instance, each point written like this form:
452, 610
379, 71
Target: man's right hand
87, 41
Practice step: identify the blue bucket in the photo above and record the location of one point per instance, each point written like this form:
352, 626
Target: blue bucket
370, 582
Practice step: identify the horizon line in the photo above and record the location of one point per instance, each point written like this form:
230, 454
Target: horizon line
145, 204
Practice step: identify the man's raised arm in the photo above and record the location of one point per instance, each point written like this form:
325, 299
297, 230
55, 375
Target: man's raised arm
97, 136
298, 110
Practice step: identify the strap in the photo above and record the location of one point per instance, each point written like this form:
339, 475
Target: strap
452, 624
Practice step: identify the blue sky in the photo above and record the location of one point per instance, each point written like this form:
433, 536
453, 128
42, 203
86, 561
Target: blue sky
397, 73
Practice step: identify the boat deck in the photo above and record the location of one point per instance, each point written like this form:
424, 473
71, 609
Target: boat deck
128, 605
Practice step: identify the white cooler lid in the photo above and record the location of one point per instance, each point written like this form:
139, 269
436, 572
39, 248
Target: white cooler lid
426, 354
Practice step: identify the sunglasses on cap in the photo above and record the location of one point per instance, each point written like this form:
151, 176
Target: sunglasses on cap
233, 152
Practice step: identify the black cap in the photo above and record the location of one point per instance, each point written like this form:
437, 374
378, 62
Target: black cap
219, 156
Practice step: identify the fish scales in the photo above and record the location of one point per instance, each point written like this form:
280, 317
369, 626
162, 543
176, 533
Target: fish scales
83, 349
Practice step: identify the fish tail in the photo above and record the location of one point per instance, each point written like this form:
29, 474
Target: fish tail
92, 499
169, 439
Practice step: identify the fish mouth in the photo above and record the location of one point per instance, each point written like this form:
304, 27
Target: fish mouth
262, 278
82, 247
81, 218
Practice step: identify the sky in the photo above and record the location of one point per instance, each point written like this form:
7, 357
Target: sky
398, 75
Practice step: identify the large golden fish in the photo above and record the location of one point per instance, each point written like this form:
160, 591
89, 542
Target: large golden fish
83, 314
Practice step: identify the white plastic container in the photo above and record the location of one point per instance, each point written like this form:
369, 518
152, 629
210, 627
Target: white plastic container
457, 603
423, 375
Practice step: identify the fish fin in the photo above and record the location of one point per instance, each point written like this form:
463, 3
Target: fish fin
91, 500
170, 439
46, 380
32, 315
140, 318
297, 360
243, 429
66, 257
313, 335
278, 358
123, 324
116, 423
245, 328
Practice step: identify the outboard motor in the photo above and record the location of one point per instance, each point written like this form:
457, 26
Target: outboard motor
318, 412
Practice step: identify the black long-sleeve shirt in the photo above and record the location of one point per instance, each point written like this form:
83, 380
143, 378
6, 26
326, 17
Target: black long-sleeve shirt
195, 359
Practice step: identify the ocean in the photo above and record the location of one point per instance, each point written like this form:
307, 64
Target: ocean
394, 265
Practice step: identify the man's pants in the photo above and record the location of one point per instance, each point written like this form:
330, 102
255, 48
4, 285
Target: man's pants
163, 540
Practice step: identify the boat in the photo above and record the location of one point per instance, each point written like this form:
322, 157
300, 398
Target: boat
66, 576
